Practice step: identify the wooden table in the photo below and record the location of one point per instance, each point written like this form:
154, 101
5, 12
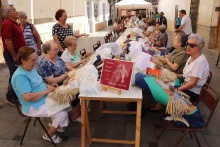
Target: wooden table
133, 95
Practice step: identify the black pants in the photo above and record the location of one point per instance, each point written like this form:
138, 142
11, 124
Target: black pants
12, 68
76, 101
193, 96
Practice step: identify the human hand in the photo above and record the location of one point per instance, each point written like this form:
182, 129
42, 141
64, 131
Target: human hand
55, 85
39, 52
86, 35
50, 88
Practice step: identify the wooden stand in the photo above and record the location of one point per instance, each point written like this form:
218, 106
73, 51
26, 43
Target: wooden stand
106, 87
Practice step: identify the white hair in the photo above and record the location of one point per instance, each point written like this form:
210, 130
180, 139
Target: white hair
5, 9
200, 40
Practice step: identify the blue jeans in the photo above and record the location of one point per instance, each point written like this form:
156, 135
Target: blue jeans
12, 67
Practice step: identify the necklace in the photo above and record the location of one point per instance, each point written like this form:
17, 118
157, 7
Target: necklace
191, 60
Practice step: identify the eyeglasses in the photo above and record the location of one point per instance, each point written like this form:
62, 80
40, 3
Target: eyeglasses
191, 45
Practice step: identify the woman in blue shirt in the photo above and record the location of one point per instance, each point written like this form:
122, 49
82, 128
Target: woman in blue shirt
178, 22
32, 96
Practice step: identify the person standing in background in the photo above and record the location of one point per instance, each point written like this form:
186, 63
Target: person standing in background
61, 29
31, 35
177, 22
186, 25
13, 39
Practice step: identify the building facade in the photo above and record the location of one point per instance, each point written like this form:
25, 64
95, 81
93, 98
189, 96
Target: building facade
202, 12
84, 16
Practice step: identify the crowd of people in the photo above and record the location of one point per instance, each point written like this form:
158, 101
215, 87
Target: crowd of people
22, 46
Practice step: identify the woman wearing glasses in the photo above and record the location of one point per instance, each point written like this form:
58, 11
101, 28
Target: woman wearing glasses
54, 71
195, 72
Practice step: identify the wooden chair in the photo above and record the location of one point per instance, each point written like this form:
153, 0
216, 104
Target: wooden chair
210, 98
15, 99
97, 45
218, 59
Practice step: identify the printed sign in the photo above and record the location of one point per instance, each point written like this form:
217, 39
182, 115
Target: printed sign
117, 74
123, 12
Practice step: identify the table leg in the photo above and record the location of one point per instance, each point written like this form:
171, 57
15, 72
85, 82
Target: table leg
138, 124
88, 127
101, 107
83, 123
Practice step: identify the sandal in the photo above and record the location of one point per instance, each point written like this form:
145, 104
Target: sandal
55, 138
60, 129
77, 120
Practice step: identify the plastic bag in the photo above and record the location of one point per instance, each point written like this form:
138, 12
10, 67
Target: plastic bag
115, 49
90, 85
135, 49
142, 62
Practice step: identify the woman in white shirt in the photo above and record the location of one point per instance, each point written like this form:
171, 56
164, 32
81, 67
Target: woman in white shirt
195, 72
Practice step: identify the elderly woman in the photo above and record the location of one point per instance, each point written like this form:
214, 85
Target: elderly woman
62, 29
150, 28
32, 96
196, 70
31, 35
176, 60
154, 34
162, 38
54, 71
71, 56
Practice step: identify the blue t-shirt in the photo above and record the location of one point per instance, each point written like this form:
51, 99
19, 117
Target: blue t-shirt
178, 21
28, 81
49, 69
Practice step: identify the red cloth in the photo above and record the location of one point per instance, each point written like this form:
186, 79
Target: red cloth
11, 30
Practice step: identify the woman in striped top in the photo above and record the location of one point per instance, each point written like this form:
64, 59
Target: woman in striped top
31, 35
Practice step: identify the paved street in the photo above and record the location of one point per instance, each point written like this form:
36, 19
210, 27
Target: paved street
107, 126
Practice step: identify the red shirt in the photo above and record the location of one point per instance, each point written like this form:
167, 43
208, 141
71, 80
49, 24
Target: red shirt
12, 31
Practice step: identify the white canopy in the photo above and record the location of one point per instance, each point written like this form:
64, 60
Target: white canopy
133, 4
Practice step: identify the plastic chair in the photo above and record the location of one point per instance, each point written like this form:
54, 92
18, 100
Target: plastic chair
210, 98
15, 99
97, 45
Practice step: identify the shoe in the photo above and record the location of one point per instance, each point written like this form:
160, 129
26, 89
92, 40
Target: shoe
60, 129
150, 110
77, 120
10, 103
55, 138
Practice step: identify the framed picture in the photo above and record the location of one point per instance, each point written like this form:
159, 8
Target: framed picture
117, 74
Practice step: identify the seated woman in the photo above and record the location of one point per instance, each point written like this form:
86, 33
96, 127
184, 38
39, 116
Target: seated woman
196, 70
176, 60
150, 28
153, 36
32, 96
117, 26
54, 71
162, 38
71, 56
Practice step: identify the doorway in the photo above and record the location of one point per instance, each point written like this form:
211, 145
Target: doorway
194, 7
217, 45
103, 13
